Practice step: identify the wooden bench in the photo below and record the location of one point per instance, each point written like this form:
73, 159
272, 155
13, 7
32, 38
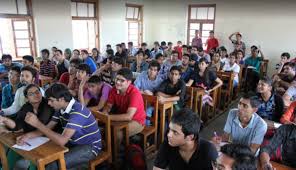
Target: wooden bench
226, 90
189, 97
106, 153
40, 156
150, 101
163, 107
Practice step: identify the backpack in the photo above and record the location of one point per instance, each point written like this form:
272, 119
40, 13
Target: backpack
135, 158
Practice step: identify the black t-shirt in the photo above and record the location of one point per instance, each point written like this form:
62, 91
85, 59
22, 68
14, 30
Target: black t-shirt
200, 81
201, 159
178, 90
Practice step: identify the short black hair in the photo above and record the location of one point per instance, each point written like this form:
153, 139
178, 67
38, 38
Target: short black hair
126, 73
45, 51
29, 58
266, 80
84, 67
28, 87
170, 43
57, 91
203, 60
77, 51
31, 69
212, 31
108, 46
158, 55
242, 155
141, 51
154, 63
186, 55
95, 79
118, 60
175, 52
156, 43
16, 69
254, 101
200, 49
130, 43
189, 121
178, 68
84, 51
253, 47
110, 52
286, 55
184, 46
59, 51
6, 56
144, 44
75, 61
163, 43
119, 45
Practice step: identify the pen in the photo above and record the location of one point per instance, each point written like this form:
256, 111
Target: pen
28, 144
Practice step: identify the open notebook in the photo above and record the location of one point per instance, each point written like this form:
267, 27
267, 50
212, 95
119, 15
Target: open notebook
32, 143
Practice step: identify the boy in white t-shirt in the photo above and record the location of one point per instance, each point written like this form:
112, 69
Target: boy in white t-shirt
232, 66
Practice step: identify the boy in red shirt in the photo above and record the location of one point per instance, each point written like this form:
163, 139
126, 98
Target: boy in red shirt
212, 42
179, 49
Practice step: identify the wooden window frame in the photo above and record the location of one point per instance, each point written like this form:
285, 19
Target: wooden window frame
95, 18
200, 21
29, 18
139, 20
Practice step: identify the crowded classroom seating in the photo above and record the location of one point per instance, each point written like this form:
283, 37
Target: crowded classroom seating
145, 105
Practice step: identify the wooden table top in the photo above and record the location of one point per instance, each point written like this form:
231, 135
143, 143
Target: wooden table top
42, 152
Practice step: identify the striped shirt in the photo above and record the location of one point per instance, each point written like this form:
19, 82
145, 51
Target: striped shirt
47, 68
79, 118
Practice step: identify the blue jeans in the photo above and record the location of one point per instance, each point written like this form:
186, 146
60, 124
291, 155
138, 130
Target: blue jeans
149, 113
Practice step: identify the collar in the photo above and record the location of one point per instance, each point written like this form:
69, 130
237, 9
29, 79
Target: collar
250, 124
128, 90
69, 107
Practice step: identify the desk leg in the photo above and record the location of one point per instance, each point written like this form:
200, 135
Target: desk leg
126, 136
162, 125
3, 157
40, 166
62, 163
115, 150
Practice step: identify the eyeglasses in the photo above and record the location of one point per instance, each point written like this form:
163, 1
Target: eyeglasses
120, 80
37, 92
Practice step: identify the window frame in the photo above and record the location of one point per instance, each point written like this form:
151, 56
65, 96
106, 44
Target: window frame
199, 21
138, 20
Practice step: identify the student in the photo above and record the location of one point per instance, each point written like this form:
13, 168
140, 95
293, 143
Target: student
172, 61
124, 47
82, 75
201, 54
237, 43
47, 67
9, 90
235, 157
96, 93
289, 116
28, 60
216, 63
140, 64
148, 81
71, 74
173, 89
63, 64
156, 50
285, 58
285, 79
243, 125
6, 65
224, 56
146, 50
178, 48
185, 68
28, 75
96, 55
289, 96
132, 51
212, 42
53, 52
126, 103
168, 51
184, 49
121, 53
81, 133
183, 148
272, 105
35, 104
76, 54
284, 137
233, 67
240, 57
89, 61
163, 45
196, 41
67, 53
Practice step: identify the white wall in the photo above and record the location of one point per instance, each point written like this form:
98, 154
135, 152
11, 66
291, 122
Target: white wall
53, 23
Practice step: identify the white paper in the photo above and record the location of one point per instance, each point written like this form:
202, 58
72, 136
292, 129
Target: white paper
35, 142
251, 67
277, 125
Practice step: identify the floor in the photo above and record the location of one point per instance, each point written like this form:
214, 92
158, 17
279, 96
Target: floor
207, 132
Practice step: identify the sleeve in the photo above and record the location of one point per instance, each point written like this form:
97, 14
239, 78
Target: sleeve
138, 82
276, 140
4, 103
76, 120
135, 99
145, 67
56, 116
279, 108
260, 131
289, 114
236, 69
291, 91
105, 92
16, 105
87, 94
162, 87
111, 97
161, 160
183, 90
20, 117
134, 67
212, 76
229, 121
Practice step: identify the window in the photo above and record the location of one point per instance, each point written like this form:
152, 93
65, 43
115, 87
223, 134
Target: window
134, 18
202, 18
84, 24
16, 28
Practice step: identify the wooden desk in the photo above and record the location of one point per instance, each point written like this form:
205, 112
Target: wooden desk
278, 166
162, 109
43, 80
40, 156
198, 93
116, 127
